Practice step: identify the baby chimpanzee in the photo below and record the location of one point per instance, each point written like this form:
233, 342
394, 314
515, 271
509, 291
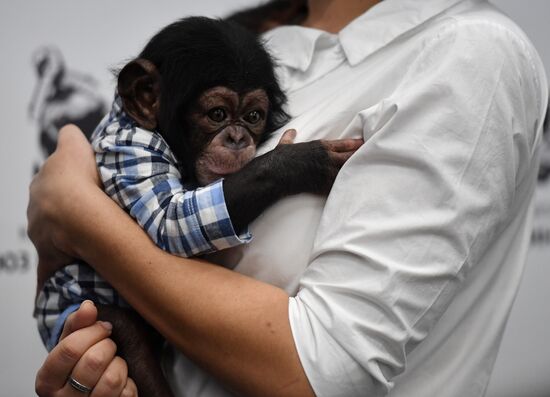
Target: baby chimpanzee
189, 111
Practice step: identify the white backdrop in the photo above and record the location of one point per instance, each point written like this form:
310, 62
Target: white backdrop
85, 40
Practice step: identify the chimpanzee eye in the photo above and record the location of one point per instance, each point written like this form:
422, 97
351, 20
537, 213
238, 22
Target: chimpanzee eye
253, 117
217, 114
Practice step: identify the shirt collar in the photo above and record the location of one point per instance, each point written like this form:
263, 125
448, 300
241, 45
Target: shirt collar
294, 46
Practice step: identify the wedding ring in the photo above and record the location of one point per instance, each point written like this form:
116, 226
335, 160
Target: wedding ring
78, 386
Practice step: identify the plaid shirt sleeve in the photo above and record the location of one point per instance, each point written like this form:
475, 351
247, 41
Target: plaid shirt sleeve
141, 174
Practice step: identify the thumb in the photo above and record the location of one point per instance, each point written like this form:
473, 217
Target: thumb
72, 136
288, 137
84, 316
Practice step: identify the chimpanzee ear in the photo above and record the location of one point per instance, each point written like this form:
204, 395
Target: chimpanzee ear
139, 88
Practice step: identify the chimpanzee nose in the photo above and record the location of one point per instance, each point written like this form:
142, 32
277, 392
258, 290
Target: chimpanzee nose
235, 140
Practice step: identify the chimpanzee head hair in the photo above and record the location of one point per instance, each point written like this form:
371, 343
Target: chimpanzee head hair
198, 53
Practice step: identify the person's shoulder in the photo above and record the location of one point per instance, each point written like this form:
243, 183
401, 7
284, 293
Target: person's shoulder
487, 30
477, 34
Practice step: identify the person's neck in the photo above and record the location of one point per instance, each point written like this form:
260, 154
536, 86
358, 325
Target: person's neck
333, 15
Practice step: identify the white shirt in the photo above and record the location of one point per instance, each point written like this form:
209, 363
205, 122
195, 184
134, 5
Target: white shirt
403, 279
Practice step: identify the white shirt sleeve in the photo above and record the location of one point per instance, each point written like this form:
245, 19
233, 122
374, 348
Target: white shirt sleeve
416, 208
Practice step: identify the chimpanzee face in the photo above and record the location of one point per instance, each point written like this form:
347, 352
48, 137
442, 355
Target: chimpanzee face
219, 130
226, 128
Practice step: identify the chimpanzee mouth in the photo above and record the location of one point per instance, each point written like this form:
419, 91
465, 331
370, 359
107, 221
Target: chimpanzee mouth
226, 161
227, 168
216, 164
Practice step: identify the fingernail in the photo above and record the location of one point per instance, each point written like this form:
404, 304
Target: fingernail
107, 325
88, 302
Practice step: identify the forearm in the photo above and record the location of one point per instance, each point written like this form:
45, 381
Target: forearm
306, 167
251, 191
235, 327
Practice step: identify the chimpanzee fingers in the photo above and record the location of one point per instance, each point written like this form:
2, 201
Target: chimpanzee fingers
339, 158
342, 145
113, 381
85, 316
288, 137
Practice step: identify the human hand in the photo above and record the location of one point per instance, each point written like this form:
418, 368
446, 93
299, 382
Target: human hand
85, 354
71, 167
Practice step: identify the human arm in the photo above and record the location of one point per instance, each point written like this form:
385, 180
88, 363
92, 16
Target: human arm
332, 154
251, 348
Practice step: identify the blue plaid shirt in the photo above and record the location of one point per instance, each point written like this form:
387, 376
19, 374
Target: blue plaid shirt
139, 172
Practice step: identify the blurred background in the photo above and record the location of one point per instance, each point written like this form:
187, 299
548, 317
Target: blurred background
56, 61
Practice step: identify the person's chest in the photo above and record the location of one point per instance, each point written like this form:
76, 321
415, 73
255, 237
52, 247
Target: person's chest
333, 104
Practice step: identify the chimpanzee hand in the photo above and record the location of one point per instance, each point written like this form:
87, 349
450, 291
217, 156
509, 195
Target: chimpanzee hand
309, 167
290, 168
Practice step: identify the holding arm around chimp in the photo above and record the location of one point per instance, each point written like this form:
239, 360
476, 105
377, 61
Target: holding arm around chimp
259, 358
